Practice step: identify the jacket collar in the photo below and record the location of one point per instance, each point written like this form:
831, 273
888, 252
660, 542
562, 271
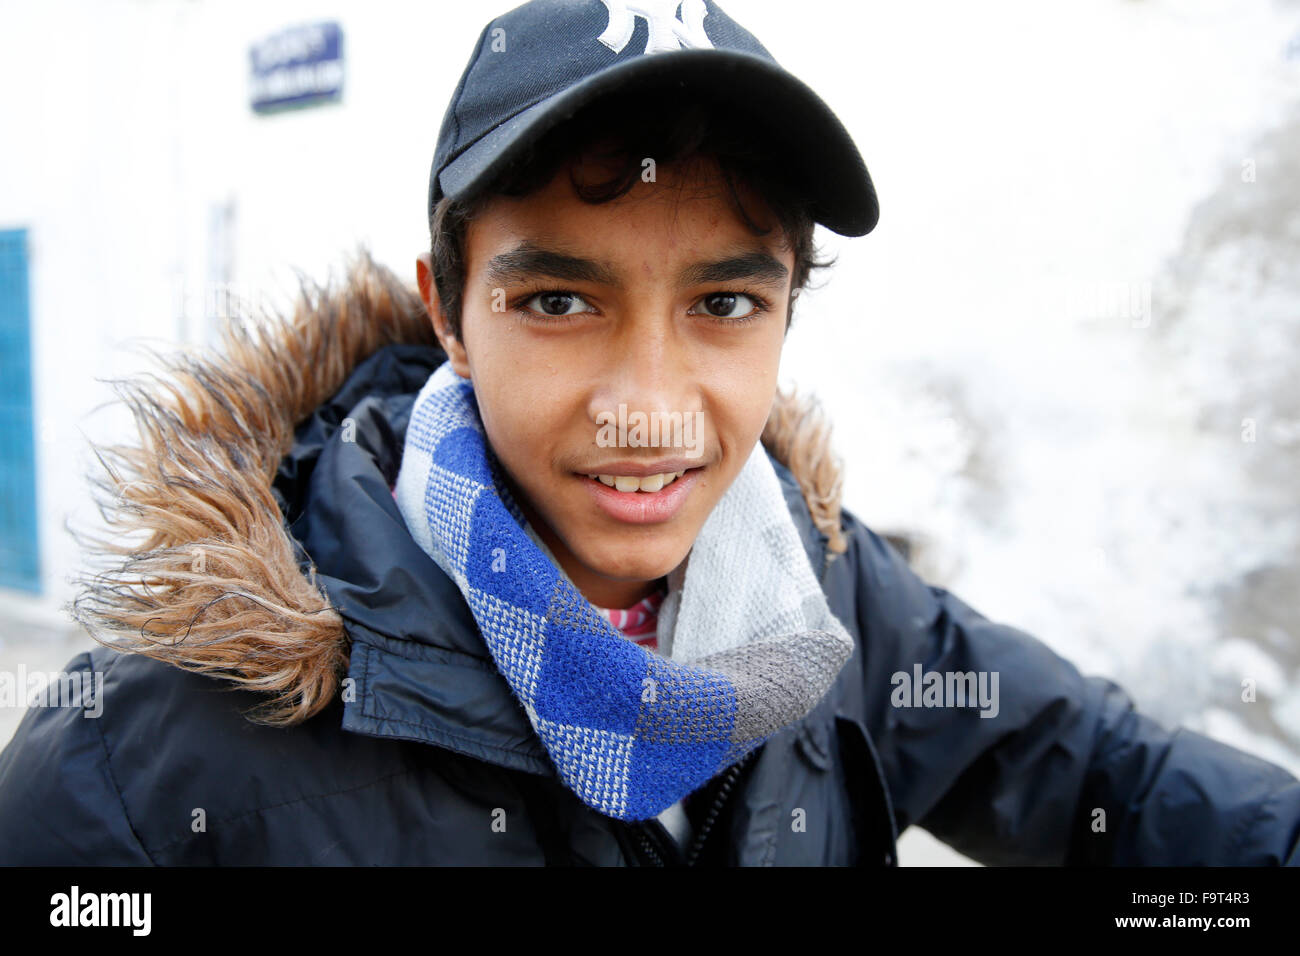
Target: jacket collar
418, 669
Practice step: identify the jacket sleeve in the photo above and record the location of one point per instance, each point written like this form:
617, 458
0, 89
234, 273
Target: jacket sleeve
59, 805
1050, 767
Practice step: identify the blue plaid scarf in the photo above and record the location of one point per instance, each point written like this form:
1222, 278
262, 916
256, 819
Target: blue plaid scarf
630, 732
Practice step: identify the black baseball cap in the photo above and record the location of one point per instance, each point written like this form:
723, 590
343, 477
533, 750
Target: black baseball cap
542, 62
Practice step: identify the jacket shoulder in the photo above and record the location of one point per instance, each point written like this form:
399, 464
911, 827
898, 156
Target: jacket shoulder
59, 803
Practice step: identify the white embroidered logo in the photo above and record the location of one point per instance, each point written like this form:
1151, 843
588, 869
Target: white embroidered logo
666, 32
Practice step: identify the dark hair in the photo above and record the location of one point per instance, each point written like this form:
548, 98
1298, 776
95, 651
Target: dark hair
623, 131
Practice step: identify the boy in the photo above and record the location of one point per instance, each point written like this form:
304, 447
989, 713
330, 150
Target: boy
573, 584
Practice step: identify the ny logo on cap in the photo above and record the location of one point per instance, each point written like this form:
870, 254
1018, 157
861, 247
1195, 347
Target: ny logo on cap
666, 32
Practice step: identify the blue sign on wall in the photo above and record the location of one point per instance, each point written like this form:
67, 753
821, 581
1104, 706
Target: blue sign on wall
300, 66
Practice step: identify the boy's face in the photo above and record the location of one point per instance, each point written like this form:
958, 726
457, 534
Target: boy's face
661, 301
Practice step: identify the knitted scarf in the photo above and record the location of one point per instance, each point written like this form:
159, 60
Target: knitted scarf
747, 642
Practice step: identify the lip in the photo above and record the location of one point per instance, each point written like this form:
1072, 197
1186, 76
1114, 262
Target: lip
640, 469
642, 507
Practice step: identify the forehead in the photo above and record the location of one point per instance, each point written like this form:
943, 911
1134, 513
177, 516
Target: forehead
686, 210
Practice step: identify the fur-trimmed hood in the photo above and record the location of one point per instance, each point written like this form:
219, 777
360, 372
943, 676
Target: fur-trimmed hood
211, 579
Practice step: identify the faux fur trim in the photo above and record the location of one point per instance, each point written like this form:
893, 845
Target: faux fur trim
198, 569
798, 434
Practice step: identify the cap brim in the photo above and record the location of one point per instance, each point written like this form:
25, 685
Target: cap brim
808, 137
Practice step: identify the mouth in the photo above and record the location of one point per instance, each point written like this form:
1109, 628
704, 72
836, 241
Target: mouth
634, 495
646, 484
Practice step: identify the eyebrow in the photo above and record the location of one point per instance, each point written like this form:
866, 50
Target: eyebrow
755, 266
530, 259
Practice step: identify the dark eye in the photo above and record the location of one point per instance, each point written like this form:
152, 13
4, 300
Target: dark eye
728, 305
557, 303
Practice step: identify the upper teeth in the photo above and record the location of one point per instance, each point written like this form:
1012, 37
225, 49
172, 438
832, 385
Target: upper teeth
633, 483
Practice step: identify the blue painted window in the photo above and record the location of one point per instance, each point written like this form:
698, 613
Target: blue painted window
19, 557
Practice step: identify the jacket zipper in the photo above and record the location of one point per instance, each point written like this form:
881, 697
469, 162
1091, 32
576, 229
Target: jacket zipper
647, 844
724, 791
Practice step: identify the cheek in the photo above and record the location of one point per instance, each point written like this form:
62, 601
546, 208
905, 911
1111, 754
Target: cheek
499, 372
515, 427
521, 408
746, 389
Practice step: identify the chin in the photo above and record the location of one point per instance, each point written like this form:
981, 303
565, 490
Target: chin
631, 561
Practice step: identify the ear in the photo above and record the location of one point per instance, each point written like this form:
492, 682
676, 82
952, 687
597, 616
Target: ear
454, 348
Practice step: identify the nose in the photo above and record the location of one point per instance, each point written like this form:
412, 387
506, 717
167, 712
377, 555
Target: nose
651, 370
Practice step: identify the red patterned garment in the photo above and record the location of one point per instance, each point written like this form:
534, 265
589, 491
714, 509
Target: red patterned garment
639, 622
